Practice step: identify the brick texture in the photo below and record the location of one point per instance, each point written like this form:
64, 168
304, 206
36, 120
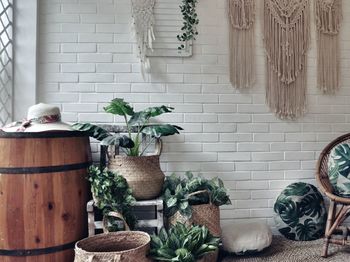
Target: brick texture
86, 59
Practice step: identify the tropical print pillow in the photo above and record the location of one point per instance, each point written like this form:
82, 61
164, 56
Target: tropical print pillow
300, 212
339, 169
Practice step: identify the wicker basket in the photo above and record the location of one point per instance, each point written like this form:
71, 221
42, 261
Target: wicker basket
126, 246
207, 215
143, 174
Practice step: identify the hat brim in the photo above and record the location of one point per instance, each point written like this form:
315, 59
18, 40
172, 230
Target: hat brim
35, 127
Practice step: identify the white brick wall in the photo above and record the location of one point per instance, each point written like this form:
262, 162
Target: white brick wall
86, 59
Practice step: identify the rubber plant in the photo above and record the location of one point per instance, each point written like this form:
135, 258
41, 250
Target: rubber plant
112, 193
190, 17
183, 243
134, 121
177, 193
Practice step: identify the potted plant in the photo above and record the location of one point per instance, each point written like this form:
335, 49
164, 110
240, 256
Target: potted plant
183, 244
142, 171
112, 194
194, 200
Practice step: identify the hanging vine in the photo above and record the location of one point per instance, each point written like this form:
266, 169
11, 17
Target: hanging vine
190, 17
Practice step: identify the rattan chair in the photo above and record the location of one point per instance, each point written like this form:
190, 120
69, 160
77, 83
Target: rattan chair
339, 208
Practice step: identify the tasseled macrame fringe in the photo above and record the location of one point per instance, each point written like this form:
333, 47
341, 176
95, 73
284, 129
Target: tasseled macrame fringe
286, 39
328, 21
143, 22
242, 57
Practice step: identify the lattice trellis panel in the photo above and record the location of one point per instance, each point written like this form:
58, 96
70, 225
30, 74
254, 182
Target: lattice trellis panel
6, 60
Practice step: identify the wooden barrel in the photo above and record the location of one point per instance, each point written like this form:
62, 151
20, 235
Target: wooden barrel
43, 194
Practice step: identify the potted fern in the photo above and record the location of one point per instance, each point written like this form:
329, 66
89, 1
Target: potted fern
184, 244
141, 170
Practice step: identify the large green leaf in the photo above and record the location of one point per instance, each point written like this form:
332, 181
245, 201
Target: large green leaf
311, 205
342, 157
92, 130
142, 117
288, 211
102, 135
117, 140
307, 230
119, 107
297, 189
161, 130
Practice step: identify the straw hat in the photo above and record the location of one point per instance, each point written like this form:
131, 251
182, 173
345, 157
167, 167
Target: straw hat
40, 118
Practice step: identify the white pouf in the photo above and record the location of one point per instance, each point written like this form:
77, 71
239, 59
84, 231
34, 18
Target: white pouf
244, 238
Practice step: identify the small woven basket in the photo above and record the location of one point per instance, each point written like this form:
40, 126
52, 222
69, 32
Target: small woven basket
126, 246
206, 215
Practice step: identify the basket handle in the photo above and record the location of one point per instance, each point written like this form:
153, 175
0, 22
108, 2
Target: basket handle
116, 215
201, 192
116, 258
158, 146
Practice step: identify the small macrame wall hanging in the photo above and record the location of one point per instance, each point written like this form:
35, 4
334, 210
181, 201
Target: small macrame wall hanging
143, 23
242, 56
328, 15
286, 40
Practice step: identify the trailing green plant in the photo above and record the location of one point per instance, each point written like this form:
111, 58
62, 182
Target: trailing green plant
190, 17
183, 243
178, 193
137, 123
112, 193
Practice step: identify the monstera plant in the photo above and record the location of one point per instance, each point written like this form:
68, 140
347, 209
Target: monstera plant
134, 121
141, 171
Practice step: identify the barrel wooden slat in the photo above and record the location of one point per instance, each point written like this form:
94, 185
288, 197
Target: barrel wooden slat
43, 209
55, 149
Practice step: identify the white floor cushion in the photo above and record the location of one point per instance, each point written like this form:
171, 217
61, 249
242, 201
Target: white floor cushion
246, 238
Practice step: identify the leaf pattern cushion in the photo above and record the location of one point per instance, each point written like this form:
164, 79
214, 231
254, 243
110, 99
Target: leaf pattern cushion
300, 213
339, 169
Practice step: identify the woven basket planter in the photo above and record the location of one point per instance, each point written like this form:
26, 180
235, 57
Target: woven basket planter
205, 215
126, 246
143, 174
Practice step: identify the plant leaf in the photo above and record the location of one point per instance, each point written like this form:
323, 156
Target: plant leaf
117, 140
119, 107
171, 202
92, 130
161, 130
142, 117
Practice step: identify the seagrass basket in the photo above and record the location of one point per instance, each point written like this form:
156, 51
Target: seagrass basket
142, 173
206, 215
126, 246
122, 246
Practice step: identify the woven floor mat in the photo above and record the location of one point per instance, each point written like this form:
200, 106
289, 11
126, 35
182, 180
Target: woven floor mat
284, 250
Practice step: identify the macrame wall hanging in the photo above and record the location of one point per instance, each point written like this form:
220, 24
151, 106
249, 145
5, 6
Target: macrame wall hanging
143, 22
328, 15
286, 39
242, 57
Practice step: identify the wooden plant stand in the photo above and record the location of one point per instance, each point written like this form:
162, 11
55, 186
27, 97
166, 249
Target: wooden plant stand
157, 222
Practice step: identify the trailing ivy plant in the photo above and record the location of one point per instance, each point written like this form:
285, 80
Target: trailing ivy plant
177, 193
183, 243
190, 17
112, 193
138, 121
